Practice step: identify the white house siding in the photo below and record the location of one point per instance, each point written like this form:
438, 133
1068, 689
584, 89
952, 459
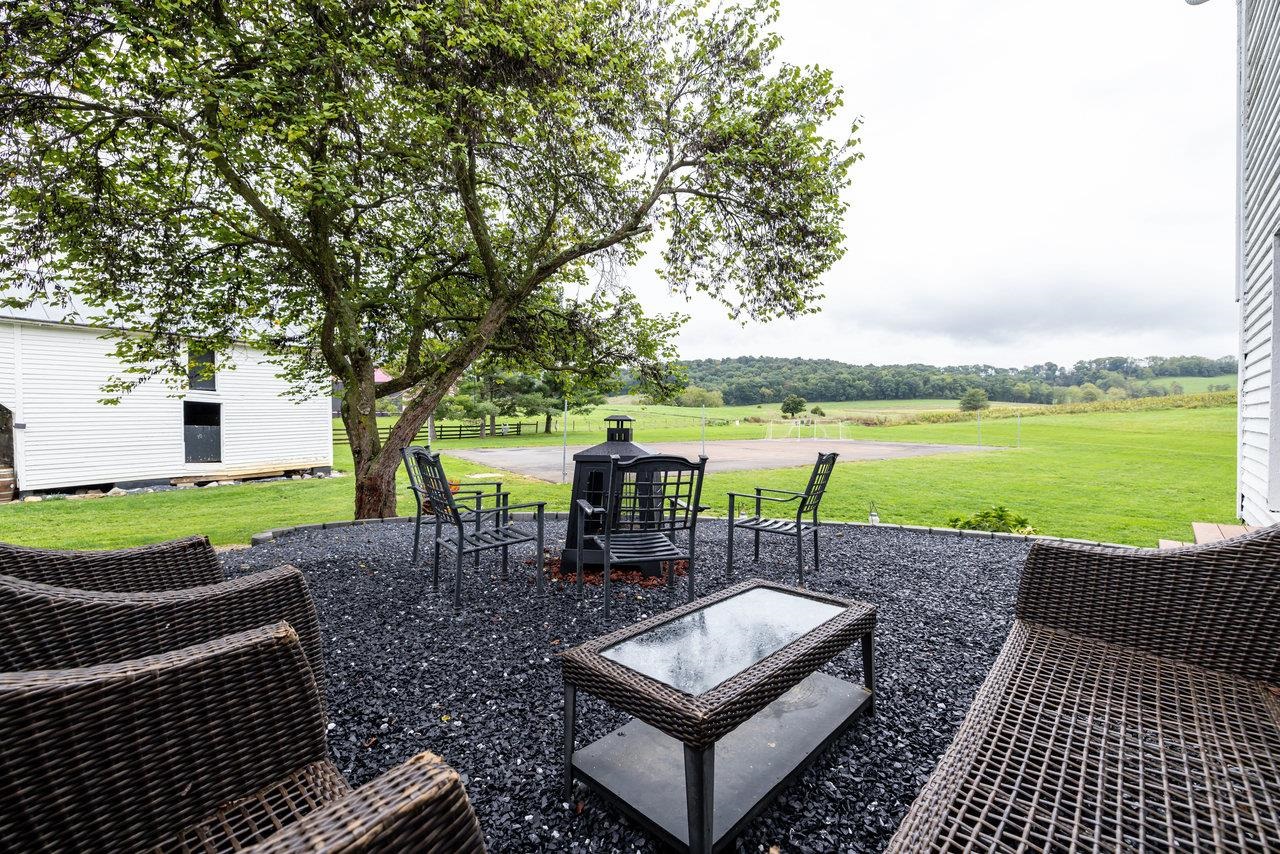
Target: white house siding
260, 426
8, 375
1259, 458
70, 439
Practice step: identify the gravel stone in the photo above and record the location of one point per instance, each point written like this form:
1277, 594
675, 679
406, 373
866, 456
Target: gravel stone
482, 687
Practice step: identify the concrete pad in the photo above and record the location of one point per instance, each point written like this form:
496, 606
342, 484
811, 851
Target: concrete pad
544, 461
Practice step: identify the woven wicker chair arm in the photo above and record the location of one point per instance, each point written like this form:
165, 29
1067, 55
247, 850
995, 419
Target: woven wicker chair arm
418, 806
132, 753
48, 628
1216, 606
172, 565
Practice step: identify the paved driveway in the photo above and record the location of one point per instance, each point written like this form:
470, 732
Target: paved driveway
544, 461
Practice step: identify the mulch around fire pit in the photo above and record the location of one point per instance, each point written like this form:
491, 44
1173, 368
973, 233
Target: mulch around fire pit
482, 687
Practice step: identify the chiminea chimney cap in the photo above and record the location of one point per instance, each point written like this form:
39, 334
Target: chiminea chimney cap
618, 418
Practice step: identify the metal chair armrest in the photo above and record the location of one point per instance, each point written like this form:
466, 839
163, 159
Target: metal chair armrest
781, 491
589, 508
507, 508
418, 806
765, 497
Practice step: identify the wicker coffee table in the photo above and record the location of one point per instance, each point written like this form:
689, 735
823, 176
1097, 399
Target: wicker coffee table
726, 699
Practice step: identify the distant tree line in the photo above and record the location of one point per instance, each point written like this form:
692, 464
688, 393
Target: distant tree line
769, 379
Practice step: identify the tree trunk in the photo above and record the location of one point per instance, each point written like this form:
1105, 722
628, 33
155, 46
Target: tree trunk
493, 424
431, 430
547, 429
375, 485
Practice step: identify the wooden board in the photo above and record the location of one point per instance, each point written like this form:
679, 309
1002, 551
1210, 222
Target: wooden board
1212, 532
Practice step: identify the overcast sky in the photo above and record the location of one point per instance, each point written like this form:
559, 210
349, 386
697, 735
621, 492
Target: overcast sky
1043, 181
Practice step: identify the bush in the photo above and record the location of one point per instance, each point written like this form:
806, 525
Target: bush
817, 410
974, 399
998, 518
693, 396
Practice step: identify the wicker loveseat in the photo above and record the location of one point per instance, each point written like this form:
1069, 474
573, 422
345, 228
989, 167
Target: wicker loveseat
43, 627
215, 747
189, 562
1135, 707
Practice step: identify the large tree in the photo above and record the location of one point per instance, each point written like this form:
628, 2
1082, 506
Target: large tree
412, 183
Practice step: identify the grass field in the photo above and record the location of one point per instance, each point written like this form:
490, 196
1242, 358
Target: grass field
1191, 385
1129, 477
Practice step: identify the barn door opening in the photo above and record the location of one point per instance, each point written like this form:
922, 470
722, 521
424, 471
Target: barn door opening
202, 431
8, 477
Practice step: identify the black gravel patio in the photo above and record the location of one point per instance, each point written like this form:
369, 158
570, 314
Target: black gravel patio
482, 688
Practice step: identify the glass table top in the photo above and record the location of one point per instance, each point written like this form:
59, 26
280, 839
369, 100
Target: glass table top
698, 651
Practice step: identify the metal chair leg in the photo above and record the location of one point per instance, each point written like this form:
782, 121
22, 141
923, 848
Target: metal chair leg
756, 552
504, 563
608, 571
582, 550
542, 581
457, 582
728, 563
691, 564
800, 555
417, 533
817, 560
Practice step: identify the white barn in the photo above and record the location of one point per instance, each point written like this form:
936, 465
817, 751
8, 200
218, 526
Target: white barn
1258, 261
57, 436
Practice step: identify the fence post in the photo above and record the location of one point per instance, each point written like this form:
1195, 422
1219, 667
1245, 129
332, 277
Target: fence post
704, 429
564, 450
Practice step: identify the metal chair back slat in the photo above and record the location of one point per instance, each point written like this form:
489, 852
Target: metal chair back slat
818, 483
656, 494
430, 484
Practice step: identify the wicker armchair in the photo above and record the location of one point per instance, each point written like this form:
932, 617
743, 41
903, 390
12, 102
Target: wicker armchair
1135, 706
51, 628
190, 562
214, 747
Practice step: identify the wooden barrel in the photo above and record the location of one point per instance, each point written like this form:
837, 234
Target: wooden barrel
8, 486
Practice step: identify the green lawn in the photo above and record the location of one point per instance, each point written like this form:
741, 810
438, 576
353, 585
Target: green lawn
1191, 385
1129, 477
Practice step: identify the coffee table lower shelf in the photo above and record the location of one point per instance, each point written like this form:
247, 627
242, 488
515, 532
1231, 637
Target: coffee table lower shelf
642, 770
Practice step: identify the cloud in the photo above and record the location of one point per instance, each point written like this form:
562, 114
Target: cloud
1040, 179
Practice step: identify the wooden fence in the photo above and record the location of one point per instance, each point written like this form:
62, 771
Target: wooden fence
451, 431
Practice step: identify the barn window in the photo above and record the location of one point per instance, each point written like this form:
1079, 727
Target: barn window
200, 370
202, 431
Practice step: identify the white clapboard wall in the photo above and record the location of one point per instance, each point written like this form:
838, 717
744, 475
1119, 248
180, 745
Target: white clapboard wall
1259, 455
51, 377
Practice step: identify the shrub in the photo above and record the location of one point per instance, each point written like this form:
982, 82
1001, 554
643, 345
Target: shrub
817, 410
997, 518
974, 399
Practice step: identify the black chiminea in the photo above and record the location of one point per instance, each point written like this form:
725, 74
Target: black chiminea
590, 468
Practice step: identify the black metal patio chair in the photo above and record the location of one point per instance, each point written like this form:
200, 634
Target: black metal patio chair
452, 522
470, 497
646, 502
797, 527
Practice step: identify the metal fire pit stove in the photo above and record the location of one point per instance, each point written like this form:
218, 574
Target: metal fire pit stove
590, 468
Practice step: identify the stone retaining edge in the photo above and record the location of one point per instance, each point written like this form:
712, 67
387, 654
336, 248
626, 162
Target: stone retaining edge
558, 516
